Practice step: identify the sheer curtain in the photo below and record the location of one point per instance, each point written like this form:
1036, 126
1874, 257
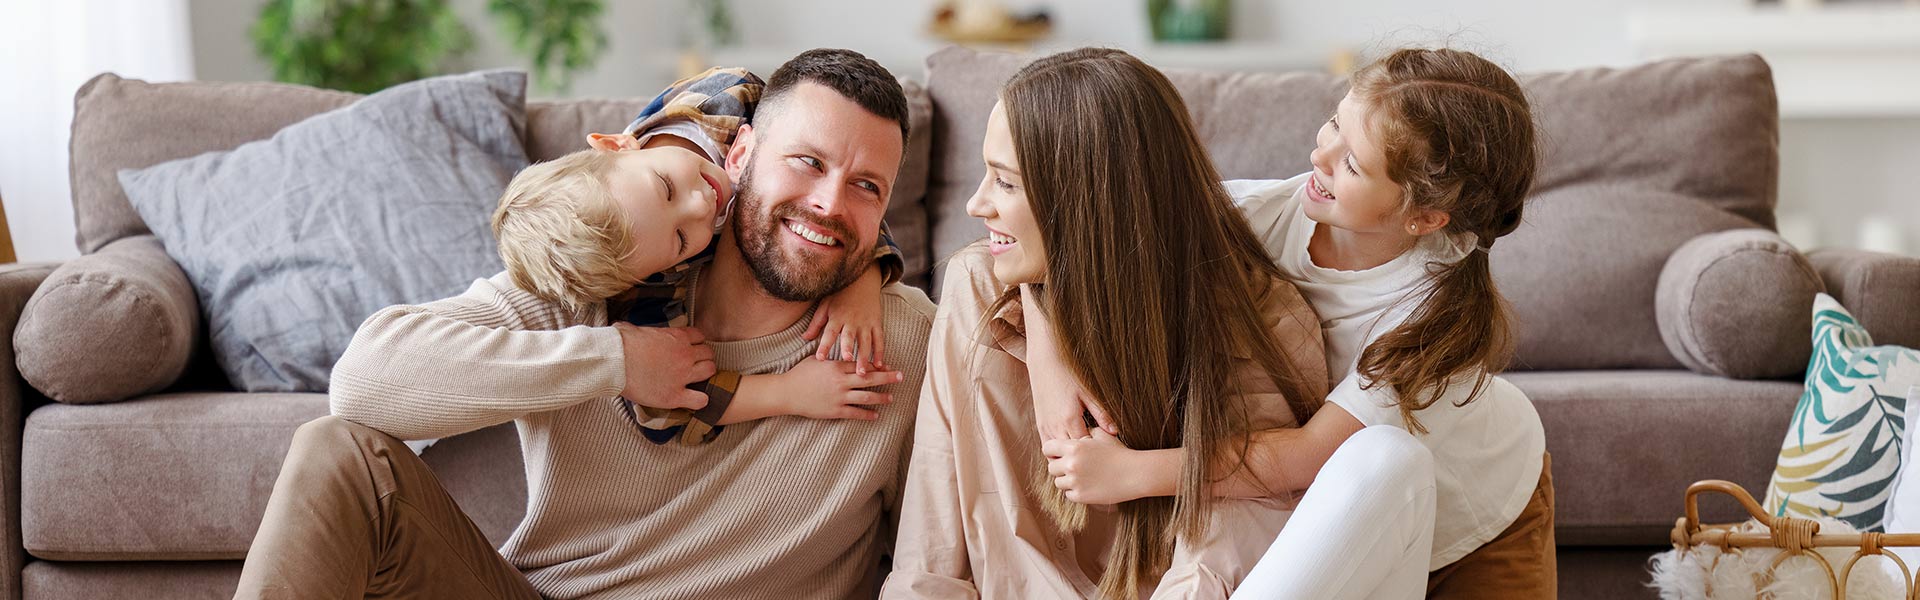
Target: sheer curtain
50, 49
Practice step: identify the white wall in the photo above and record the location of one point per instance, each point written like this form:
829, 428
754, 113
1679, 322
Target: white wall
1833, 170
1843, 175
50, 48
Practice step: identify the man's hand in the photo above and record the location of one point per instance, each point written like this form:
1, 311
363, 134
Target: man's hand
661, 361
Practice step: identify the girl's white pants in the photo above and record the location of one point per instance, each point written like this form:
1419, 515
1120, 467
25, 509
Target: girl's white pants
1363, 530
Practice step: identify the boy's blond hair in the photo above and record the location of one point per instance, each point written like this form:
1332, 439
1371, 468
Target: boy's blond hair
562, 236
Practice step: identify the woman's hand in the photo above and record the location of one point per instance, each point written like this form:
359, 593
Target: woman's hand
1096, 469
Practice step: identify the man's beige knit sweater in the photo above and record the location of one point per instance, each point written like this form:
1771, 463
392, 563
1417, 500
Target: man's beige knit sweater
777, 508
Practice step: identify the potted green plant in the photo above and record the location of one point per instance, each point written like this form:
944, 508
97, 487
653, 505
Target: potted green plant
358, 45
562, 37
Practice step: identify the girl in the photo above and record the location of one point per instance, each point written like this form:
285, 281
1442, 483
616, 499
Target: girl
1124, 241
1425, 163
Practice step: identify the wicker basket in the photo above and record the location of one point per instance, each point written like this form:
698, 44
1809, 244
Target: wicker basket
1793, 536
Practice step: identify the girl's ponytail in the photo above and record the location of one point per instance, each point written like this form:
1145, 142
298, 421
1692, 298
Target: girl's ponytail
1462, 326
1458, 136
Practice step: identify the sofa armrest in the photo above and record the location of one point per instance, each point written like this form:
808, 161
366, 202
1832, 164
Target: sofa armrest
1880, 290
17, 284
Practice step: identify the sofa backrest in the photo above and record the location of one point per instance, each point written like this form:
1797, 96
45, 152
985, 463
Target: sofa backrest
129, 124
1635, 162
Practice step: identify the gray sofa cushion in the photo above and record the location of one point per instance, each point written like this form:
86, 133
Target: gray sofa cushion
128, 124
166, 477
49, 580
907, 211
1878, 288
1635, 162
1735, 304
109, 325
1626, 444
291, 242
187, 476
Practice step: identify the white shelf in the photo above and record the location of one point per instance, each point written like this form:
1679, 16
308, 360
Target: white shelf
1828, 62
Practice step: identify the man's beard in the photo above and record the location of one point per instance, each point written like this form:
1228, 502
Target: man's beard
791, 278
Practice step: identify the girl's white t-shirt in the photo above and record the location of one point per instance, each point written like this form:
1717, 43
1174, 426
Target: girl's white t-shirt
1488, 453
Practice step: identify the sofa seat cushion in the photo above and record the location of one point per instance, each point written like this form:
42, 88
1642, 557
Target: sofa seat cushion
1626, 444
187, 476
47, 580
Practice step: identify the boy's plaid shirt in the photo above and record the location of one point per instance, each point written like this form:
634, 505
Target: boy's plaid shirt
707, 109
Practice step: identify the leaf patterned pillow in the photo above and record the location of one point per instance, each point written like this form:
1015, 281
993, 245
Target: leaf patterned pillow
1843, 446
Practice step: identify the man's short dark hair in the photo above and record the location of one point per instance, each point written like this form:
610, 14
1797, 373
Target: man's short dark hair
849, 73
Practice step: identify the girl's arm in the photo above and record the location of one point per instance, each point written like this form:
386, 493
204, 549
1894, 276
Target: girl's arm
1060, 401
850, 318
1100, 470
814, 389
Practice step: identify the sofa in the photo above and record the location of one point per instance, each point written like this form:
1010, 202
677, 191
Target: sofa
1660, 318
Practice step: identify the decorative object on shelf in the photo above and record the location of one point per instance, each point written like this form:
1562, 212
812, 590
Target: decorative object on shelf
359, 46
988, 22
562, 37
1772, 556
1189, 20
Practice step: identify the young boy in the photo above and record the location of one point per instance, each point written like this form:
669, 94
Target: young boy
622, 223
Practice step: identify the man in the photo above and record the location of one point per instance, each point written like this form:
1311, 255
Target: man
778, 508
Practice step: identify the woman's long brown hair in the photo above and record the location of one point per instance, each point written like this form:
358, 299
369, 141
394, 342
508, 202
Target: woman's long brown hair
1153, 283
1458, 136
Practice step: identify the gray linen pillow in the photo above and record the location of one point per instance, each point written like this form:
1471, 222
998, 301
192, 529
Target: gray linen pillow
292, 241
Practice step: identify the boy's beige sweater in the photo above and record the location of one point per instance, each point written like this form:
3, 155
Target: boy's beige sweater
778, 508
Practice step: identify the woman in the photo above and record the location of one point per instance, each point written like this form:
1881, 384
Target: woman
1120, 242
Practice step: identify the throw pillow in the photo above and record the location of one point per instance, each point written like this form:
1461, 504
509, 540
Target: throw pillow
1734, 304
109, 326
1903, 506
292, 241
1843, 446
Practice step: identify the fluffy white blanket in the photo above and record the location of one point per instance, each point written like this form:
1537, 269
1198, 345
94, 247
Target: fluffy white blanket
1683, 575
